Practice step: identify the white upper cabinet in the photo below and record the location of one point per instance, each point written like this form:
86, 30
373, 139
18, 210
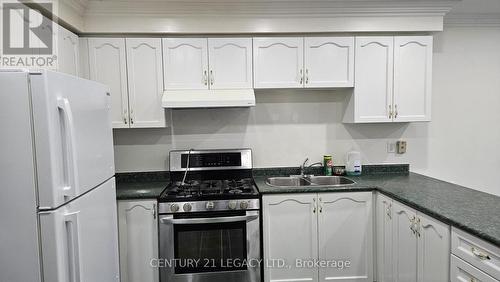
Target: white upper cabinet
290, 232
412, 78
329, 62
230, 63
67, 52
372, 97
404, 244
186, 63
278, 62
145, 82
393, 80
107, 61
433, 249
138, 236
345, 231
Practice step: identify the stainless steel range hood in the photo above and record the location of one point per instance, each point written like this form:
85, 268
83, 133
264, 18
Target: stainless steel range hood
175, 99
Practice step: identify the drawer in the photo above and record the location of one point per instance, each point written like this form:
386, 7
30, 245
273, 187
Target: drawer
477, 252
464, 272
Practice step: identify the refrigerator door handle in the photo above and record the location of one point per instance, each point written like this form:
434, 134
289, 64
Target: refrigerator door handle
71, 188
71, 224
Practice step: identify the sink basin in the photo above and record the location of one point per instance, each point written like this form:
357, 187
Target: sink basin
287, 181
309, 180
330, 180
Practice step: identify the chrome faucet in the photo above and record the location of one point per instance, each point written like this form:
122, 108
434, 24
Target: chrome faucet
303, 166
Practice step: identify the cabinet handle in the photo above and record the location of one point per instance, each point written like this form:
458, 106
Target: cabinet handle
479, 254
412, 225
131, 116
307, 76
314, 205
301, 76
417, 227
125, 116
320, 205
395, 111
212, 77
390, 111
154, 211
205, 79
389, 211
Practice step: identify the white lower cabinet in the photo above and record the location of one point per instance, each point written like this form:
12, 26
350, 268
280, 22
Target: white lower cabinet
333, 229
138, 237
417, 248
290, 232
345, 232
461, 271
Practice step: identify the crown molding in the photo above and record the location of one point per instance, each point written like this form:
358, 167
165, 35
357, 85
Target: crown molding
272, 8
472, 20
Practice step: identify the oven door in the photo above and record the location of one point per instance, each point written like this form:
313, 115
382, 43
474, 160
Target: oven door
214, 246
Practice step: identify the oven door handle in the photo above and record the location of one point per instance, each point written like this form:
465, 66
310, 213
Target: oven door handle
170, 220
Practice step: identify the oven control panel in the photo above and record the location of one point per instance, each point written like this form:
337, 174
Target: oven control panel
204, 206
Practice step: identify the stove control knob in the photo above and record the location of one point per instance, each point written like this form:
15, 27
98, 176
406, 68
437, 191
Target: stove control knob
210, 206
187, 207
174, 207
232, 205
244, 205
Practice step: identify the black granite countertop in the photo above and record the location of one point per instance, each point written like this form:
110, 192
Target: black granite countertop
141, 185
470, 210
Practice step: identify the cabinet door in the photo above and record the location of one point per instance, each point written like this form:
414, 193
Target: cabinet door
404, 259
433, 249
384, 238
412, 78
107, 65
346, 234
83, 58
67, 48
329, 61
186, 63
374, 77
138, 234
145, 82
230, 63
289, 233
278, 62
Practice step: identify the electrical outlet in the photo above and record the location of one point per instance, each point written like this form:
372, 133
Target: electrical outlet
401, 147
391, 147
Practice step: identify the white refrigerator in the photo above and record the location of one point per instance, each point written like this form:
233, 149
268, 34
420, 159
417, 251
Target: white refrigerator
58, 219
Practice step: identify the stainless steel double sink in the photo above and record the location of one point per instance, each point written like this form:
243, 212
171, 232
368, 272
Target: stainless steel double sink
297, 181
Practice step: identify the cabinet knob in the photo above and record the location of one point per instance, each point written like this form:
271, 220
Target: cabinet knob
390, 111
395, 111
212, 77
307, 76
205, 79
301, 75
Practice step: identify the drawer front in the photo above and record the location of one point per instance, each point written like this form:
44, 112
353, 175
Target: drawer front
464, 272
477, 252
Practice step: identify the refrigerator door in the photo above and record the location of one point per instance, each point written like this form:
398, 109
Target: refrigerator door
80, 239
73, 136
19, 249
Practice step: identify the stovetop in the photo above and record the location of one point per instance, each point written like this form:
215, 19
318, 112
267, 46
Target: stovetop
200, 190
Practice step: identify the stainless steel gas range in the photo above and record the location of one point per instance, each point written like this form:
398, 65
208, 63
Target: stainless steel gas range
209, 225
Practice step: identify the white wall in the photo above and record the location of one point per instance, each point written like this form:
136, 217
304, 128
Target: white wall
464, 134
459, 145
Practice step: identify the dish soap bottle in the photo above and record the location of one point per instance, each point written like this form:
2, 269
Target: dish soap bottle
353, 163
